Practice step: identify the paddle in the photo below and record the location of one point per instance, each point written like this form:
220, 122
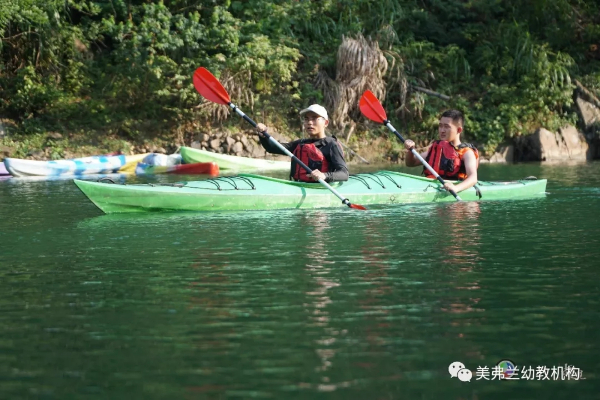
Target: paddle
354, 153
209, 87
371, 108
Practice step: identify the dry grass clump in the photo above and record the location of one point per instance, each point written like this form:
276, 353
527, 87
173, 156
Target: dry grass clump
361, 65
239, 87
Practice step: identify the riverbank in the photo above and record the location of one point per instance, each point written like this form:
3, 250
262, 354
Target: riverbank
567, 146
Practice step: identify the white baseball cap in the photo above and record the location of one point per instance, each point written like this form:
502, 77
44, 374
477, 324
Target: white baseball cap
317, 109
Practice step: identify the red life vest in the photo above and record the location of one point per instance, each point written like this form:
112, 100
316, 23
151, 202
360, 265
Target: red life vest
447, 160
314, 158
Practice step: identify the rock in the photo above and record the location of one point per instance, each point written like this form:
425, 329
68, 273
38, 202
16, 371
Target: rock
54, 135
36, 154
594, 153
590, 114
196, 145
244, 140
215, 144
504, 154
230, 141
173, 148
2, 130
258, 152
237, 147
203, 137
543, 145
577, 146
237, 137
156, 149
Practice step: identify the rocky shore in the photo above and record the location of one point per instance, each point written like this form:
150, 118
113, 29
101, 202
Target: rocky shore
570, 143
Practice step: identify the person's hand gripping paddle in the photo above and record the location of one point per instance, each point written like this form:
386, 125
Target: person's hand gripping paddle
210, 88
371, 108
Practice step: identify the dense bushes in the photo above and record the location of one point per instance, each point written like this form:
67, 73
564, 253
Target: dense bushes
125, 66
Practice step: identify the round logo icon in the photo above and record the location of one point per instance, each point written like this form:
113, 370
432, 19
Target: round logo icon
508, 367
454, 368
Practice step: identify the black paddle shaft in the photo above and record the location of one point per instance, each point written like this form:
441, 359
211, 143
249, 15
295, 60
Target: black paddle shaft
389, 125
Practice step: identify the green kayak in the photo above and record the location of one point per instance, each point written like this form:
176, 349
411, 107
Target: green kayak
232, 163
254, 192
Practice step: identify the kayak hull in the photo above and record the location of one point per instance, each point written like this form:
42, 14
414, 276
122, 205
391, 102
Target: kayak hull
254, 192
208, 168
230, 163
77, 166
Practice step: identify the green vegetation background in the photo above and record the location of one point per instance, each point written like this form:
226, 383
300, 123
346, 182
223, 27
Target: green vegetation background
112, 72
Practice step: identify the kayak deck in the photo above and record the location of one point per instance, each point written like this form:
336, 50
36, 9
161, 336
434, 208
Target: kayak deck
254, 192
231, 163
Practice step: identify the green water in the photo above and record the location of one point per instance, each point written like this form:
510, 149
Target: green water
332, 304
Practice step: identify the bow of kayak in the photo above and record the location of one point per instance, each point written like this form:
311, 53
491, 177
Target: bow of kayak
3, 170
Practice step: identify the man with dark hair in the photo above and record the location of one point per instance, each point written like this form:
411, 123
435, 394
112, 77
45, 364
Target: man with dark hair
450, 158
323, 154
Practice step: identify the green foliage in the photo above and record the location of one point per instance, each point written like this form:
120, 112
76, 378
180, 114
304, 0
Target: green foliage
125, 67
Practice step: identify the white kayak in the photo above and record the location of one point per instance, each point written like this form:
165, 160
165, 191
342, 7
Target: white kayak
3, 171
77, 166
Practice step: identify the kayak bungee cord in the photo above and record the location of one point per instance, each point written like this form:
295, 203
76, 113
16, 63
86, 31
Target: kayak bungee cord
375, 177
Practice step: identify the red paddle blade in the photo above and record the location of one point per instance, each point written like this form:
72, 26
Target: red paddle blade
357, 207
371, 108
209, 87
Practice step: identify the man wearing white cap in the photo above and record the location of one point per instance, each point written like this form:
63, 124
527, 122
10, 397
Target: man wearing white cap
323, 154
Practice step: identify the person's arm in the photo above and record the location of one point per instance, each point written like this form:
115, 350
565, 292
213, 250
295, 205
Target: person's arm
339, 169
471, 170
410, 160
270, 147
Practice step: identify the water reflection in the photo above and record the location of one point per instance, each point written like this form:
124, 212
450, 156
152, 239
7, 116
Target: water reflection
461, 238
461, 261
460, 247
378, 260
319, 269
